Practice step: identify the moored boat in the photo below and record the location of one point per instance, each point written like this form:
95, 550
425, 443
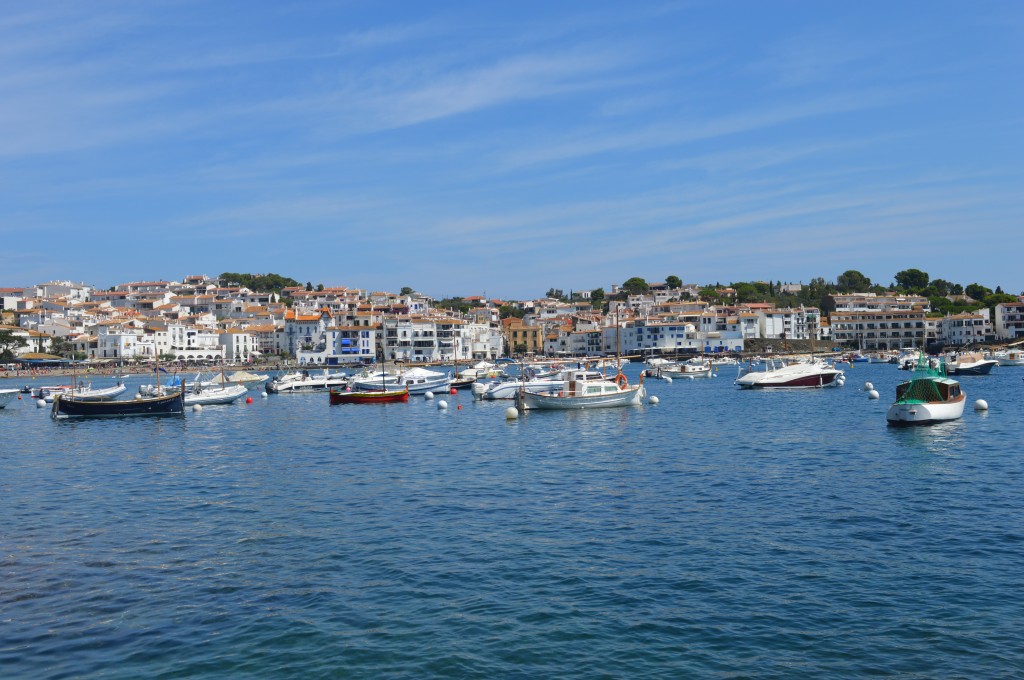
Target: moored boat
802, 375
1010, 357
69, 406
929, 397
369, 396
204, 395
84, 392
417, 380
7, 396
694, 368
969, 363
579, 391
304, 381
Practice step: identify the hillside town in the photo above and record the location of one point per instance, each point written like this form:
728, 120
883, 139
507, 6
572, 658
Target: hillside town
209, 321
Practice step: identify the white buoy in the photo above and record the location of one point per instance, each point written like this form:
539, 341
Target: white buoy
668, 380
511, 413
873, 394
197, 408
654, 399
441, 404
841, 381
981, 405
41, 403
428, 395
263, 395
868, 387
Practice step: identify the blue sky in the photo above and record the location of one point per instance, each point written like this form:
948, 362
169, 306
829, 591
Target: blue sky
506, 148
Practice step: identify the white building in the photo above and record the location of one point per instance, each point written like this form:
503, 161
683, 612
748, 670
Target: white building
966, 328
1009, 321
238, 346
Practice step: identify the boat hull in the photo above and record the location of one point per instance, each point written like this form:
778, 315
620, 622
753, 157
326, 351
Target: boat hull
983, 368
904, 415
369, 397
7, 396
691, 375
214, 396
755, 381
627, 397
68, 407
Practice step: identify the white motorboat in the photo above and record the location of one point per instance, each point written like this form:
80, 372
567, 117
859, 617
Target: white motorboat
250, 380
208, 395
579, 391
1010, 357
481, 370
929, 397
694, 368
803, 375
7, 396
418, 380
969, 363
83, 392
508, 388
304, 381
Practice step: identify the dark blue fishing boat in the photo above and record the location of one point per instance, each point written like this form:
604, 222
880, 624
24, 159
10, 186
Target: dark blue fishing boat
68, 406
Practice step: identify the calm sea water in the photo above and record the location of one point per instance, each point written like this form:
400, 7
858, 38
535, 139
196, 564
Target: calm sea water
720, 533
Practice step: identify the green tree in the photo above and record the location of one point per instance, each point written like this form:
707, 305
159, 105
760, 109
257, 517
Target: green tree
505, 311
940, 287
635, 286
455, 303
852, 281
9, 342
263, 283
673, 282
406, 290
597, 298
912, 280
309, 287
750, 292
555, 294
994, 299
709, 293
319, 287
61, 347
977, 291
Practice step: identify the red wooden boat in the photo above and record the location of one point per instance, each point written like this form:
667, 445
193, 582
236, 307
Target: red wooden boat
370, 396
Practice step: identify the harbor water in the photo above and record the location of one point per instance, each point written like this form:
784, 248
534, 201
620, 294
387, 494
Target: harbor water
718, 533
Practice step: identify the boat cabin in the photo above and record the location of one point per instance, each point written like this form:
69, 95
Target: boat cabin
584, 383
928, 390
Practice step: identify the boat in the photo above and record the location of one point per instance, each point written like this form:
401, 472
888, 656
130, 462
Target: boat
70, 406
930, 396
800, 375
969, 363
304, 381
480, 371
249, 380
204, 395
7, 396
417, 380
881, 357
41, 391
1010, 357
369, 396
694, 368
84, 392
581, 391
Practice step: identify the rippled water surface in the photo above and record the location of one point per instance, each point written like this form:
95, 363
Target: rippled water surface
718, 533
